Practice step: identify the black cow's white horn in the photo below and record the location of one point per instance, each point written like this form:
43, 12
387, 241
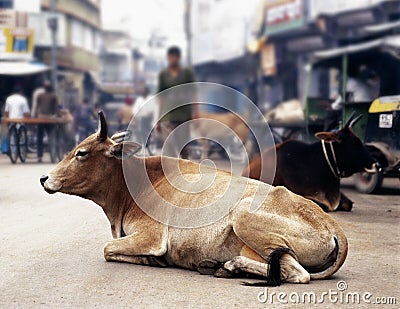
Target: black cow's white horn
347, 125
374, 169
355, 120
102, 130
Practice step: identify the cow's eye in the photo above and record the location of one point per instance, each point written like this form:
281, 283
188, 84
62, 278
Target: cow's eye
81, 153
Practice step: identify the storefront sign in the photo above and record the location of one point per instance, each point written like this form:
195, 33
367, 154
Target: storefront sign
16, 43
7, 18
283, 15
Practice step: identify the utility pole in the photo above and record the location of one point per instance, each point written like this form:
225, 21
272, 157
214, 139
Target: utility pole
188, 30
53, 25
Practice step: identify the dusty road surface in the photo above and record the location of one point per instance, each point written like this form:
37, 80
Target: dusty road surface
52, 256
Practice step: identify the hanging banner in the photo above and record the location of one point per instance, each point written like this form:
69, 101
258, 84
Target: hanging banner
268, 60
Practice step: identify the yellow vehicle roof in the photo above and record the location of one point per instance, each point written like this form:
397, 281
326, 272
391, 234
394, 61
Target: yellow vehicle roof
385, 104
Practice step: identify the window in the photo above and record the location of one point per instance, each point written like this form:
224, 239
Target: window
77, 33
96, 41
6, 4
88, 38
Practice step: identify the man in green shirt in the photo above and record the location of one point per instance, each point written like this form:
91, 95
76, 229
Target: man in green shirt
171, 113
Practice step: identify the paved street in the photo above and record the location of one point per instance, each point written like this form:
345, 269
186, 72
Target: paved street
52, 255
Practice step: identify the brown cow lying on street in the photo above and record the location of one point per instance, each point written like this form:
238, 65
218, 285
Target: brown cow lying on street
287, 239
314, 170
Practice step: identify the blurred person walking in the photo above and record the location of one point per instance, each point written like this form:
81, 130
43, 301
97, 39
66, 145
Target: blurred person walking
16, 104
145, 115
140, 102
47, 107
171, 116
38, 91
83, 116
125, 114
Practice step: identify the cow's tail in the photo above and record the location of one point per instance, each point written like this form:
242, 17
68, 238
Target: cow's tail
339, 256
274, 270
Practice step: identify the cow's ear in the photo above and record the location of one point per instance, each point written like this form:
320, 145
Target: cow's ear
121, 136
328, 136
125, 150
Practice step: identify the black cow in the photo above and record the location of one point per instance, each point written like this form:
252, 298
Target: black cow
314, 170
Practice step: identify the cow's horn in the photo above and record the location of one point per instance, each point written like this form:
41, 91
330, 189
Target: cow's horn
347, 125
355, 120
102, 130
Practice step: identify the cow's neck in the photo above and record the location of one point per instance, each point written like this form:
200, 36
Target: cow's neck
114, 199
318, 154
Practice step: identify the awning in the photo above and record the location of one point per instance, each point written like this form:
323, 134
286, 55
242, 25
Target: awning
389, 43
351, 49
95, 78
123, 52
16, 68
382, 27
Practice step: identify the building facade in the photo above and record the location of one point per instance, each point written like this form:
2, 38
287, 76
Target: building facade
266, 54
293, 32
78, 40
117, 66
218, 33
18, 66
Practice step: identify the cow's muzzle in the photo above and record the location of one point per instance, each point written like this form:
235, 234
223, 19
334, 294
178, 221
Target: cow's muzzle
43, 179
49, 185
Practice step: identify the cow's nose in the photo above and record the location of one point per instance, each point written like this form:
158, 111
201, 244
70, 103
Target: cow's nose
43, 179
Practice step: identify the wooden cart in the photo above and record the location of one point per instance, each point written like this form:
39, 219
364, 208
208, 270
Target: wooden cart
22, 138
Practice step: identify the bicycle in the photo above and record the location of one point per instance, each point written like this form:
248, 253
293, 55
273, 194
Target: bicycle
22, 141
17, 142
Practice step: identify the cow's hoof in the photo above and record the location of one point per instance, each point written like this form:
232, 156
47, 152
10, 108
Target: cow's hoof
208, 267
156, 261
223, 273
109, 250
345, 206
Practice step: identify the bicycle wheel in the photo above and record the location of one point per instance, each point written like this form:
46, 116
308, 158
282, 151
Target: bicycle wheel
32, 139
53, 145
22, 143
13, 143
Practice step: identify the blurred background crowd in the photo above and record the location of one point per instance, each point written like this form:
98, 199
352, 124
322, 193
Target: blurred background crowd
71, 58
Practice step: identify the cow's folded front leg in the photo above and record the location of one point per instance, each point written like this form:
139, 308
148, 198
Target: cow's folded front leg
138, 248
242, 264
208, 267
345, 203
140, 260
156, 261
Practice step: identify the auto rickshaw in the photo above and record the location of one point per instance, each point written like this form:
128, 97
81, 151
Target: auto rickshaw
382, 137
379, 127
